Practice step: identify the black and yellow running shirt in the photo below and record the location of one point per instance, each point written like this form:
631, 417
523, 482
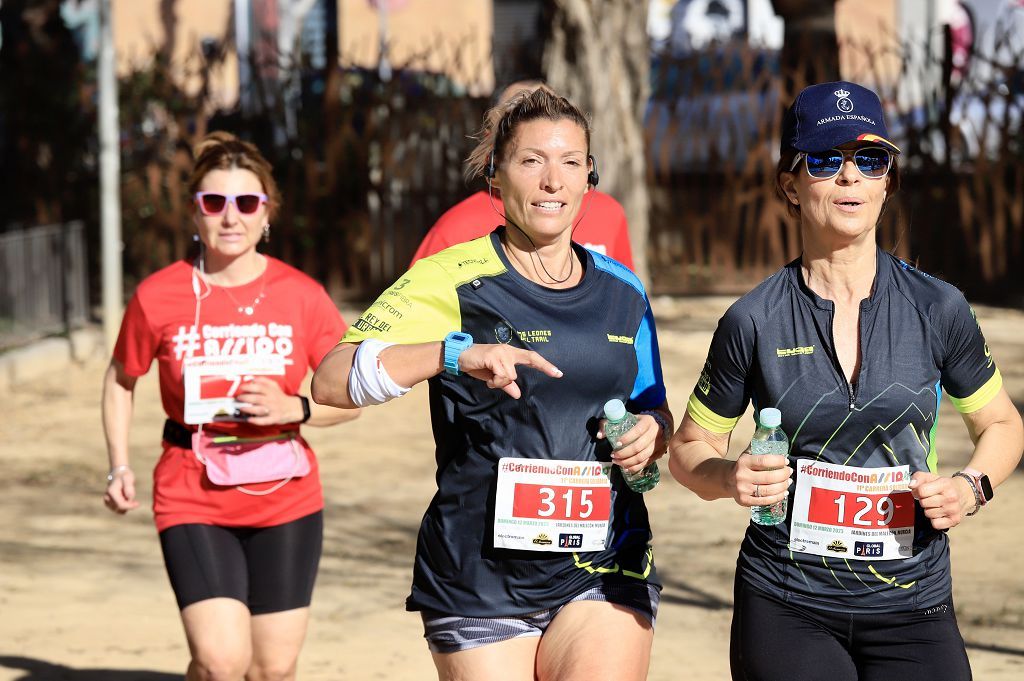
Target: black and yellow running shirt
601, 334
774, 346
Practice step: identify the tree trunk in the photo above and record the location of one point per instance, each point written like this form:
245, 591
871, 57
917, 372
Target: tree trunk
810, 51
597, 55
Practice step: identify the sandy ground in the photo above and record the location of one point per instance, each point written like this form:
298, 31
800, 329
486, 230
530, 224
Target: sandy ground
84, 596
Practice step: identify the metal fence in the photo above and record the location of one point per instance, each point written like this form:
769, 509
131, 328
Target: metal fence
712, 130
372, 164
366, 166
43, 282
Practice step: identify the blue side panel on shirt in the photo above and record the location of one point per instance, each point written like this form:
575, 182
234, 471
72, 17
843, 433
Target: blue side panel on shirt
649, 388
618, 270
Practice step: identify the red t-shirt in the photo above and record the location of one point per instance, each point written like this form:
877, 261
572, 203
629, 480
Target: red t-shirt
295, 319
602, 227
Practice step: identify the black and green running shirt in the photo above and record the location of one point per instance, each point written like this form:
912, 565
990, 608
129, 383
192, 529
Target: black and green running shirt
601, 334
774, 346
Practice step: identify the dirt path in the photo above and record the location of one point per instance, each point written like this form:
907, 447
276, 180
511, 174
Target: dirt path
84, 597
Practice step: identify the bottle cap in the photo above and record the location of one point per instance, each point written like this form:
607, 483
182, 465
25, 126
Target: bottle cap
769, 417
614, 410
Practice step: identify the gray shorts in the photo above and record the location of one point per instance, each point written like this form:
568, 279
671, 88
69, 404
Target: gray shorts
451, 634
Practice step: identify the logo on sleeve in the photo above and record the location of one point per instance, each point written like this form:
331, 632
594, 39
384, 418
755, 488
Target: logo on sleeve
704, 382
369, 322
628, 340
988, 353
389, 308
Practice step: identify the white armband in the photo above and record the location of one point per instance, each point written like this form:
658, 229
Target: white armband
369, 382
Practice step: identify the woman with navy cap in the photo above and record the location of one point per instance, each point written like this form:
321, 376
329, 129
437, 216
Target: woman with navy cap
856, 349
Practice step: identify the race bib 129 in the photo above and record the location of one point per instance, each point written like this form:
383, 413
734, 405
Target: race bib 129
851, 512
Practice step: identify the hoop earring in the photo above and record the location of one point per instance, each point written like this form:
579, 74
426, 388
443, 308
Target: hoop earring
266, 233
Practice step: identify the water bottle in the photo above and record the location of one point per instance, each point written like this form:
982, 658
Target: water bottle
769, 438
618, 422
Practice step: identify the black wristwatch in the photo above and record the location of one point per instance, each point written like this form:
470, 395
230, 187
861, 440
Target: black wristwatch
306, 413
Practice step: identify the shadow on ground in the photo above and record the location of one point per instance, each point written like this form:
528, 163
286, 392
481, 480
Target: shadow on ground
40, 670
683, 593
1002, 650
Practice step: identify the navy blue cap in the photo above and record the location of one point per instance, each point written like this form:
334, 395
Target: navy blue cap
827, 115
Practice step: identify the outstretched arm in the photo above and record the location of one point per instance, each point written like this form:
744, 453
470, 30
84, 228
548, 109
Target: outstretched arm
410, 364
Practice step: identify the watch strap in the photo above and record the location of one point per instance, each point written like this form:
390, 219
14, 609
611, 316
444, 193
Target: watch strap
662, 423
982, 484
455, 343
978, 500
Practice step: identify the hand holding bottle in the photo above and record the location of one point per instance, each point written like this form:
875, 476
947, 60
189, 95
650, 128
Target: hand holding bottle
766, 469
633, 441
760, 479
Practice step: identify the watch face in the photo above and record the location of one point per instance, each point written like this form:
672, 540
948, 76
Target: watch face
986, 488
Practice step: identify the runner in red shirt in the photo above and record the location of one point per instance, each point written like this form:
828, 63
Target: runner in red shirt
601, 226
235, 333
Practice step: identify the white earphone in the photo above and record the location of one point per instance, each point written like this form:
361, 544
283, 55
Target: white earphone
197, 282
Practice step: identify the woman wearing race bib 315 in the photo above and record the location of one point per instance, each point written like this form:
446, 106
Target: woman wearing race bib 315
234, 333
533, 559
856, 348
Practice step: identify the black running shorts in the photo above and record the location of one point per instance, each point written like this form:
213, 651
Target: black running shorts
269, 569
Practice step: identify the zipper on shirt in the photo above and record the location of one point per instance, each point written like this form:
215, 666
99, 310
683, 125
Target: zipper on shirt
851, 397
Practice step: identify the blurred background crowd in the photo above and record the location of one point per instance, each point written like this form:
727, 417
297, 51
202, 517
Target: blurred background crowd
366, 107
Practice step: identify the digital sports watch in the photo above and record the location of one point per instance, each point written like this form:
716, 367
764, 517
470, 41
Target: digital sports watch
455, 344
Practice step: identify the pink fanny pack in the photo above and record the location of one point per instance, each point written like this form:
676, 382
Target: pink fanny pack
237, 461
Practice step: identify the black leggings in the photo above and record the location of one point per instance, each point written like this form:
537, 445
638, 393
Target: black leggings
774, 640
269, 569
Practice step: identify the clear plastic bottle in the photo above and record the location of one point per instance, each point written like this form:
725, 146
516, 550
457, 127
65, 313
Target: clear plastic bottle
619, 421
769, 438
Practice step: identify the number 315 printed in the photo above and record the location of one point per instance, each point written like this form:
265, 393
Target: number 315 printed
553, 502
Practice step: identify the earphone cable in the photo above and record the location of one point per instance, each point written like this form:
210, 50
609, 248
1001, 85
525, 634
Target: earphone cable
533, 253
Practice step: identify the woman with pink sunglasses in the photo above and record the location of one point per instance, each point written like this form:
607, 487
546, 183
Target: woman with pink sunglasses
237, 498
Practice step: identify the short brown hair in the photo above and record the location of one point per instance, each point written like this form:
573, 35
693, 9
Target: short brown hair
223, 151
893, 181
501, 120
